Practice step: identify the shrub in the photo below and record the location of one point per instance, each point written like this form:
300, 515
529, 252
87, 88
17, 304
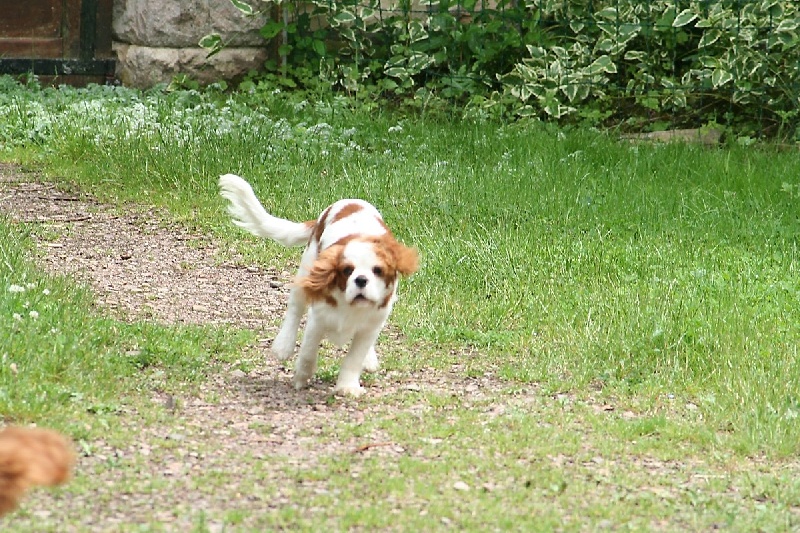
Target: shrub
650, 64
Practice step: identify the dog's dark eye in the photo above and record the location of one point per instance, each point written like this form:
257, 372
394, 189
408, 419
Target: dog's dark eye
378, 271
347, 270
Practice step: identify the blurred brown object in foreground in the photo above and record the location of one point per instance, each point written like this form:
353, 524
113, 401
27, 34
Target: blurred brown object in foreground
29, 457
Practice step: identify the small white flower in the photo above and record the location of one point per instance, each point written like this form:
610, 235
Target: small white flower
16, 288
46, 292
30, 285
34, 314
16, 316
396, 129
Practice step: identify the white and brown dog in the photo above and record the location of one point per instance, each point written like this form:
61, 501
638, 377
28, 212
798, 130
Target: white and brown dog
348, 277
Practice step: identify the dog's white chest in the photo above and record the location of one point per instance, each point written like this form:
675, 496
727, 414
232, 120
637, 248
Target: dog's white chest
341, 325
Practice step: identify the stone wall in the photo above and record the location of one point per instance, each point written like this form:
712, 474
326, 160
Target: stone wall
157, 39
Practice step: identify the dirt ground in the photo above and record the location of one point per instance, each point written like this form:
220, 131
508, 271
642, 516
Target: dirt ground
141, 268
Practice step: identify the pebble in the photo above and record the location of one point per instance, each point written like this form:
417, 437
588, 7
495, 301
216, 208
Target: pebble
460, 485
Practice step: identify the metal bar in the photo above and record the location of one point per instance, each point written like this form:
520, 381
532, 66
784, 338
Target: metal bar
88, 29
58, 67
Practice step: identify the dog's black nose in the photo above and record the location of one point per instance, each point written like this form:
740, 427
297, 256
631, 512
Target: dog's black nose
361, 282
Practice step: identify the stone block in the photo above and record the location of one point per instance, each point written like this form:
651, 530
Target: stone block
182, 23
145, 66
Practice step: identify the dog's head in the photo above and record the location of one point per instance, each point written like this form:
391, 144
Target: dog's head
359, 271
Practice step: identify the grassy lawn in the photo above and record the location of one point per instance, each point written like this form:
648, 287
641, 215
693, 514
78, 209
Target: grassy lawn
646, 297
65, 365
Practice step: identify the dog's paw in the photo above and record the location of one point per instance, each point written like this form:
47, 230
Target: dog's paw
371, 363
301, 382
283, 349
349, 390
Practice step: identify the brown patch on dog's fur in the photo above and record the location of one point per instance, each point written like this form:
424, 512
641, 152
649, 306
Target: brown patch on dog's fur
321, 224
346, 211
30, 457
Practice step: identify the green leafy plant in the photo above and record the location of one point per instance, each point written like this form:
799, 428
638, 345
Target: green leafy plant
664, 58
455, 48
649, 65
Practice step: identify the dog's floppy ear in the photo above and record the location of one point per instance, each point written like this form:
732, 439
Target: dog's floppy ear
406, 259
318, 282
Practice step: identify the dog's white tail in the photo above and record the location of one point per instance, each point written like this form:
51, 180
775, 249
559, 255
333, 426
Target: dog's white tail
248, 213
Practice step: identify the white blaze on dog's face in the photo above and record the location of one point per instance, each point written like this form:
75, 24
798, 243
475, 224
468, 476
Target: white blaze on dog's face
363, 275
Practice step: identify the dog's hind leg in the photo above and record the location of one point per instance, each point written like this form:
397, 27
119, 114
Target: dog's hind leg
284, 344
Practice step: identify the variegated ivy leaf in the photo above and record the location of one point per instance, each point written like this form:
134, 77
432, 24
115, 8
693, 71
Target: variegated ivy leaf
709, 37
244, 7
418, 61
628, 31
397, 72
709, 61
211, 42
441, 21
575, 91
604, 45
366, 13
635, 55
684, 17
720, 77
788, 25
536, 51
576, 25
602, 64
416, 31
343, 17
607, 13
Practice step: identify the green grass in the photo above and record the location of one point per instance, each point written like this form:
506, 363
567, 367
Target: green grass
569, 258
61, 364
661, 281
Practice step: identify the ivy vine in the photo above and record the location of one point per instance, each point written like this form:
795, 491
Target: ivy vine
661, 63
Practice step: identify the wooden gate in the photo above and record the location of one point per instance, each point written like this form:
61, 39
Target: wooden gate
64, 40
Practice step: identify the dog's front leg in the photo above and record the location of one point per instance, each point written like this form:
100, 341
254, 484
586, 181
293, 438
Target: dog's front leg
353, 362
306, 364
284, 343
371, 363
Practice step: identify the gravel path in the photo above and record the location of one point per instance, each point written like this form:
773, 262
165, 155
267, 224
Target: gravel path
140, 268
